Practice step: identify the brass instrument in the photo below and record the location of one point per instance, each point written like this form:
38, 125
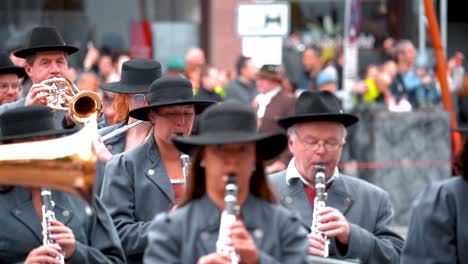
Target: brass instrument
319, 202
228, 216
121, 130
82, 104
67, 163
48, 216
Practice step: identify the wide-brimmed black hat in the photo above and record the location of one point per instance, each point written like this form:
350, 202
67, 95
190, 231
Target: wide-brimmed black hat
30, 121
6, 66
317, 106
169, 91
44, 39
136, 77
231, 122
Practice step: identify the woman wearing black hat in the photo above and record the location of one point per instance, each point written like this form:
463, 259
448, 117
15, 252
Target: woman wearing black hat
437, 231
10, 75
148, 179
228, 144
81, 237
131, 92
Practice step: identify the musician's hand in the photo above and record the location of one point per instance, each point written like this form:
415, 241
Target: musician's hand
333, 223
43, 254
243, 243
214, 258
37, 95
64, 237
101, 151
316, 244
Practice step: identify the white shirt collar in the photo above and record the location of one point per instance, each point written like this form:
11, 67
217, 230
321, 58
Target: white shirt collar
293, 173
265, 99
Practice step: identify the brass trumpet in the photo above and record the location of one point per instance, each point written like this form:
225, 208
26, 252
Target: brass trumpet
81, 106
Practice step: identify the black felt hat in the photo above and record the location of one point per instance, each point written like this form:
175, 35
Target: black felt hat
136, 77
44, 39
270, 72
6, 66
30, 121
231, 122
169, 91
317, 106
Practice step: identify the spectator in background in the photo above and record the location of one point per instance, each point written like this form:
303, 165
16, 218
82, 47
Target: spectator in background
193, 74
89, 81
10, 84
243, 88
209, 80
366, 91
388, 49
456, 73
195, 57
420, 84
175, 66
271, 103
327, 80
312, 65
105, 67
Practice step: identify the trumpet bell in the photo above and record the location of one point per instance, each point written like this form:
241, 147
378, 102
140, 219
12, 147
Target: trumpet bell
66, 163
83, 104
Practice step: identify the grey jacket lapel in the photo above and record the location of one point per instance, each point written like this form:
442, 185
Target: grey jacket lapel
156, 171
339, 196
26, 214
294, 197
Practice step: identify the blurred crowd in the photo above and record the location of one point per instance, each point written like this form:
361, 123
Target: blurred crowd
402, 80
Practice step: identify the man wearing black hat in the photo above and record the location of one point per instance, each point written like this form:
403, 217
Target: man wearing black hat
358, 215
10, 75
82, 238
148, 179
131, 92
46, 57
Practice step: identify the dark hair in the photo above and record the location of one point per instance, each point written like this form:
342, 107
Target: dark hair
316, 49
196, 183
241, 62
461, 167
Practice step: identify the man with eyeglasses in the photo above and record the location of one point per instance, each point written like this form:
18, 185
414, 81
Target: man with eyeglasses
358, 215
10, 75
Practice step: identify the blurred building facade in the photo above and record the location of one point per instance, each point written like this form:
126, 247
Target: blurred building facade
177, 25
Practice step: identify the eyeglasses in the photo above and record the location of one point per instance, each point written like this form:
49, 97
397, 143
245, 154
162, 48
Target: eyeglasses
4, 86
140, 98
314, 144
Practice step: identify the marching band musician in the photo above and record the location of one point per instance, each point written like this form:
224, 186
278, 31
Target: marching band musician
264, 232
10, 85
437, 230
131, 93
46, 57
82, 238
357, 215
148, 179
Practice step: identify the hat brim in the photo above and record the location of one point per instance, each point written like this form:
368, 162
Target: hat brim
23, 53
19, 71
269, 145
118, 87
142, 112
345, 119
48, 133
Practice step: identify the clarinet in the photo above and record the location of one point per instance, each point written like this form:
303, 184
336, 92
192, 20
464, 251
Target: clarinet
228, 216
47, 216
185, 160
319, 202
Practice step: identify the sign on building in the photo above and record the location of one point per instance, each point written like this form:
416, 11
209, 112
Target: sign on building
263, 19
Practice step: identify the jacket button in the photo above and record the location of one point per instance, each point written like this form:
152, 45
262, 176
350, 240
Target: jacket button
258, 233
151, 172
204, 236
17, 212
109, 147
66, 213
288, 199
